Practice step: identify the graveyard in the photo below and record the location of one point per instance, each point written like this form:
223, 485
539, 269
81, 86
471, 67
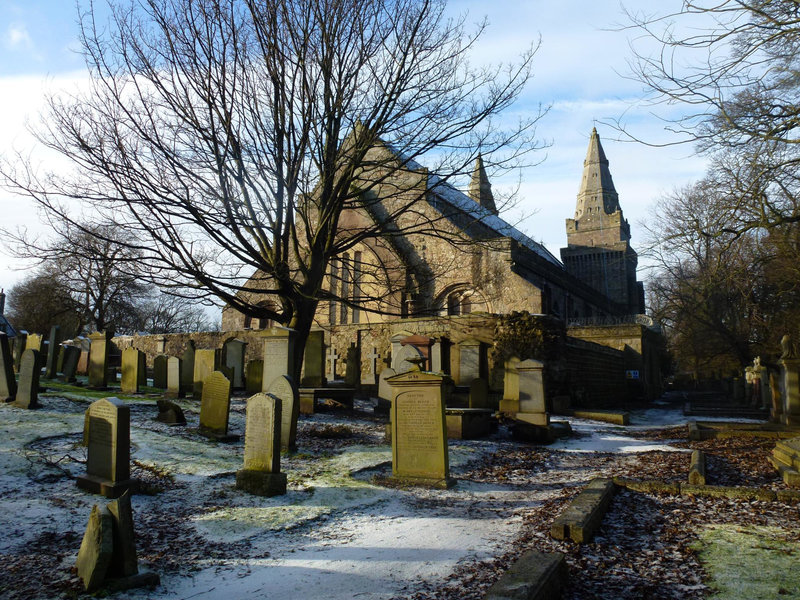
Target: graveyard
235, 494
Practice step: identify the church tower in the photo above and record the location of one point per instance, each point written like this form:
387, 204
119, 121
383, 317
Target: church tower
598, 248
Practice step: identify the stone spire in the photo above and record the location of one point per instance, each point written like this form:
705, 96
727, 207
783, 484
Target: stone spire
597, 194
480, 189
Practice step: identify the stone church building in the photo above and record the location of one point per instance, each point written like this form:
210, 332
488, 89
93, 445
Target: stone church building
478, 266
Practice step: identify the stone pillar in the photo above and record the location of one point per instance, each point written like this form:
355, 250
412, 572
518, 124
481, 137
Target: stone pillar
790, 380
314, 360
440, 355
278, 355
532, 394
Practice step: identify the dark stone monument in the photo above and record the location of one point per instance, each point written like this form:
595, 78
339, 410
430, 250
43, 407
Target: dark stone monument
160, 371
72, 355
109, 447
53, 348
170, 413
28, 387
187, 368
8, 385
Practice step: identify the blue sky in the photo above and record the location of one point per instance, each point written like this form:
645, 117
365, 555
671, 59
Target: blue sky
579, 71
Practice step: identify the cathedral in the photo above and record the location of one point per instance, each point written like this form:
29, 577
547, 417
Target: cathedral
492, 267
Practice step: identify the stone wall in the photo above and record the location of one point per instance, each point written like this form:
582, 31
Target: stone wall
596, 374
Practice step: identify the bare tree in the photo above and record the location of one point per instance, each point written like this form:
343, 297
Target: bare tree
40, 301
733, 66
227, 138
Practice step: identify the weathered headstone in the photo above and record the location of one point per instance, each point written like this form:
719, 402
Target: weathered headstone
469, 362
175, 388
262, 448
215, 407
478, 393
170, 413
53, 349
314, 360
123, 558
83, 363
509, 405
233, 352
109, 449
20, 343
253, 375
98, 359
384, 389
28, 386
286, 391
532, 396
133, 365
408, 358
34, 342
419, 434
790, 383
97, 548
70, 366
8, 385
278, 355
352, 372
160, 371
187, 368
206, 361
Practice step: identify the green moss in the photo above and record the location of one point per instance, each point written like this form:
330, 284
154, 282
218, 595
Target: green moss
750, 563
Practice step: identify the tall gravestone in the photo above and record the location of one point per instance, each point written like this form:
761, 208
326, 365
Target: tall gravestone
790, 384
206, 361
233, 352
384, 388
262, 448
8, 385
19, 347
509, 405
215, 407
109, 448
187, 367
133, 366
254, 371
98, 359
532, 396
69, 368
278, 355
51, 367
286, 391
352, 372
440, 355
160, 371
28, 386
470, 366
419, 430
314, 360
478, 393
175, 387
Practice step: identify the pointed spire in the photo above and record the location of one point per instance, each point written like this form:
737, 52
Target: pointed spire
597, 188
480, 189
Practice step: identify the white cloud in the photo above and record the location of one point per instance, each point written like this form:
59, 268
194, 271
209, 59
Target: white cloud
17, 37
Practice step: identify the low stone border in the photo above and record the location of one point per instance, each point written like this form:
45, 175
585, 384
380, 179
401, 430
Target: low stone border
583, 516
697, 468
608, 416
534, 576
717, 491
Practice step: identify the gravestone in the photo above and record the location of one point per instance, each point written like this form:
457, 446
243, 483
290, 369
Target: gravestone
51, 367
70, 366
397, 343
175, 387
286, 391
790, 383
384, 389
408, 358
352, 372
133, 366
124, 562
206, 361
170, 413
19, 347
83, 363
28, 386
98, 359
440, 355
509, 405
8, 385
97, 548
419, 434
370, 374
109, 449
314, 360
332, 359
469, 361
160, 371
187, 368
262, 448
278, 355
215, 407
532, 396
34, 342
478, 393
253, 374
233, 352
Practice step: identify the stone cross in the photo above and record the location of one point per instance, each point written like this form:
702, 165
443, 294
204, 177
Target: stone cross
370, 377
332, 358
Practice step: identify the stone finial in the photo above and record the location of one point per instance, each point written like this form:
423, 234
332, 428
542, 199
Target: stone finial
788, 348
480, 189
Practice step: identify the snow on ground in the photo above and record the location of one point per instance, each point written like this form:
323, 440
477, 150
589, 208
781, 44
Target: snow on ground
337, 533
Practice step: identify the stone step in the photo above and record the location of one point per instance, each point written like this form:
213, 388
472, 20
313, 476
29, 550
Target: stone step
790, 459
534, 576
583, 516
790, 475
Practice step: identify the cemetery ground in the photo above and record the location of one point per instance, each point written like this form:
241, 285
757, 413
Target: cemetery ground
343, 531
